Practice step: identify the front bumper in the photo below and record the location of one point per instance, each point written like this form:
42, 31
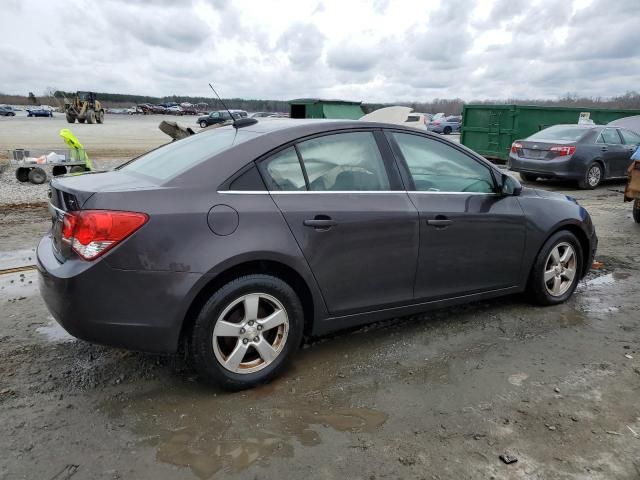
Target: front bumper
560, 167
137, 310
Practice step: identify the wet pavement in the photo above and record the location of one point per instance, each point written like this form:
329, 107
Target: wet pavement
440, 395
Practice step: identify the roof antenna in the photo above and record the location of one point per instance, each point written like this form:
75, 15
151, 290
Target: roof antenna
237, 123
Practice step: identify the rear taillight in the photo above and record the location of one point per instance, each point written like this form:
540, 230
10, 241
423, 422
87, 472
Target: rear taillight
91, 233
515, 146
564, 150
436, 123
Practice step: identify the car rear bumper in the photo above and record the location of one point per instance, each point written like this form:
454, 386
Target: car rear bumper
137, 310
561, 167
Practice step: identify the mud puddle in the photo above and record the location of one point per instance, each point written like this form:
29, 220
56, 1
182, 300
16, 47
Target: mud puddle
210, 432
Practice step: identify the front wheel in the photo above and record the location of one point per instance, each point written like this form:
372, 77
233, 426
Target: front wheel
247, 332
37, 176
636, 210
203, 124
592, 177
556, 271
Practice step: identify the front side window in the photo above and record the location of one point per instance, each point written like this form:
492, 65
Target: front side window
214, 115
284, 172
630, 138
344, 162
436, 167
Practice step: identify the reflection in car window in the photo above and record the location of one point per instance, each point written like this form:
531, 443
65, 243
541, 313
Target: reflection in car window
284, 171
175, 158
610, 136
629, 137
437, 167
344, 162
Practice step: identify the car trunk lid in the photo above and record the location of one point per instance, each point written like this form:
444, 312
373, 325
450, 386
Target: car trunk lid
544, 150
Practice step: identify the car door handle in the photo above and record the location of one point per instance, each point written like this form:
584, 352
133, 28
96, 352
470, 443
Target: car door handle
604, 149
320, 223
440, 222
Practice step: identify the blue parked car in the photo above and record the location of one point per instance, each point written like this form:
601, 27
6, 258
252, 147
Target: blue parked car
446, 125
39, 112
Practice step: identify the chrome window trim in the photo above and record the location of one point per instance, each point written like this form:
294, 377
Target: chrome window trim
342, 192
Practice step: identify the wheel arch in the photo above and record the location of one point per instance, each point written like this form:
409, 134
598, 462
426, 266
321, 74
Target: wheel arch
582, 237
271, 267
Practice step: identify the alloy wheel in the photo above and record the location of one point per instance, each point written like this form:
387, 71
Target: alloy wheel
594, 175
560, 269
250, 333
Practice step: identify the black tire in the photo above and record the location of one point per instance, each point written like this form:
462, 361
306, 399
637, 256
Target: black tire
528, 177
447, 130
636, 210
37, 176
58, 170
78, 169
201, 349
100, 116
90, 117
81, 120
592, 177
70, 118
22, 174
203, 124
537, 287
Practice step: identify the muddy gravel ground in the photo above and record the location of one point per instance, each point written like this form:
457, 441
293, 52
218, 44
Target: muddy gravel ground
434, 396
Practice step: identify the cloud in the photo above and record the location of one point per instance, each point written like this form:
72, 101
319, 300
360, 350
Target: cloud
371, 51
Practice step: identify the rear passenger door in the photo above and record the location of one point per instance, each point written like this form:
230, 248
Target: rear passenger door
613, 152
471, 239
343, 201
631, 143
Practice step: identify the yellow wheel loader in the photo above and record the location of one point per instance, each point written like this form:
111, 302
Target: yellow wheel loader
84, 107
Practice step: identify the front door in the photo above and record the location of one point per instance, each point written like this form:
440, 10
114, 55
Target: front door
471, 239
356, 227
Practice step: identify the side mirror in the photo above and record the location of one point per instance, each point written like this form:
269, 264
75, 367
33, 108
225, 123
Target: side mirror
509, 185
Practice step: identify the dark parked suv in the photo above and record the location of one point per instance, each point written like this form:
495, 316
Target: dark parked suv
220, 116
238, 242
585, 153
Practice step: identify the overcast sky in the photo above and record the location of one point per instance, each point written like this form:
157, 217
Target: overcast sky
376, 50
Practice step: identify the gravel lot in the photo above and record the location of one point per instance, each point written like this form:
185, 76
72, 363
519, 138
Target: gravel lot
433, 396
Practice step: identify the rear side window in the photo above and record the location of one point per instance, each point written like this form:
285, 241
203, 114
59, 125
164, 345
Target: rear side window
171, 160
610, 136
344, 162
630, 138
559, 132
284, 172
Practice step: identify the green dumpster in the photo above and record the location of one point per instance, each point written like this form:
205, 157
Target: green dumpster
491, 129
317, 108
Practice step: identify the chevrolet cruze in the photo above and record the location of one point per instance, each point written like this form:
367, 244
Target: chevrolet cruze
236, 243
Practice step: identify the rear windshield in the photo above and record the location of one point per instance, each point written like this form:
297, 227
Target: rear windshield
171, 160
559, 132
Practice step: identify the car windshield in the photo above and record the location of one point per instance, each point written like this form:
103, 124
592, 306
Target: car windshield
567, 133
169, 161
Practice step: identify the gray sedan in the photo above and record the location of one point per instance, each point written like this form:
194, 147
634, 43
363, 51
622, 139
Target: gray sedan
236, 243
587, 154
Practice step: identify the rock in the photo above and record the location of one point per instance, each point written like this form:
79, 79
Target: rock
508, 458
557, 390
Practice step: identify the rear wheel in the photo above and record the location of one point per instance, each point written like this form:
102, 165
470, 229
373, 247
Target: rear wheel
70, 118
556, 271
592, 177
528, 177
247, 332
37, 176
636, 210
58, 170
22, 174
91, 116
100, 116
447, 130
